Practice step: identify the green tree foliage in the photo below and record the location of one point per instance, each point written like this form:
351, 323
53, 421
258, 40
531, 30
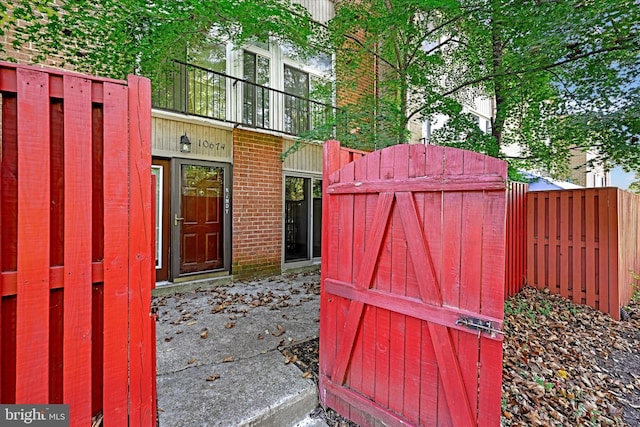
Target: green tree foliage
634, 187
562, 73
115, 37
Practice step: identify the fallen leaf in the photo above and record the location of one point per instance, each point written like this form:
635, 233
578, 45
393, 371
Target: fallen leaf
613, 411
193, 322
307, 375
230, 325
213, 377
204, 333
289, 357
228, 359
279, 332
191, 361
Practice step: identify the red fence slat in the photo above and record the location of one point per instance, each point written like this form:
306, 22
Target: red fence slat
614, 254
590, 251
431, 387
116, 236
32, 326
492, 296
8, 244
553, 257
1, 276
141, 349
603, 253
77, 248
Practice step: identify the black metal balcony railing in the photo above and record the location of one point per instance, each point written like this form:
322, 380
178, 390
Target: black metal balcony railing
194, 90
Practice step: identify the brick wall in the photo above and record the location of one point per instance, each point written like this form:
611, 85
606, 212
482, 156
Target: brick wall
354, 82
257, 204
26, 53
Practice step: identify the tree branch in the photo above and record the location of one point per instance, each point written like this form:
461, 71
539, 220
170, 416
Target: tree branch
546, 67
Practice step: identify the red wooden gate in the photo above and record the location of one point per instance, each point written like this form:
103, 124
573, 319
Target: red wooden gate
76, 245
412, 286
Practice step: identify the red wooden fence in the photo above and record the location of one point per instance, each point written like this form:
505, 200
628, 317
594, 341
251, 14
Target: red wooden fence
76, 245
584, 245
412, 286
516, 251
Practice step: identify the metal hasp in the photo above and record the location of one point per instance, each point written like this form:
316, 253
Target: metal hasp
479, 325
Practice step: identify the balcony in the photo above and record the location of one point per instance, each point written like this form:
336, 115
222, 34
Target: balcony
193, 90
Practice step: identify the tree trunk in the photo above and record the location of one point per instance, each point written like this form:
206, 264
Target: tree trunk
498, 82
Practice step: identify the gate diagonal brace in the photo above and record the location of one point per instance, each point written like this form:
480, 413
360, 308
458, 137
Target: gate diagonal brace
479, 325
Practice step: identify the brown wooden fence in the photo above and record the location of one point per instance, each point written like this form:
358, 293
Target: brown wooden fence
516, 250
584, 245
76, 245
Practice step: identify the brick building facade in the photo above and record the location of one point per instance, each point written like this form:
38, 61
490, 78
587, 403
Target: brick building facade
228, 203
257, 203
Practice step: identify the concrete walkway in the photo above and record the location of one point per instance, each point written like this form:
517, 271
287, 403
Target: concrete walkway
218, 362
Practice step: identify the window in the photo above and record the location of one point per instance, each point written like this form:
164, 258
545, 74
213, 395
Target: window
206, 84
320, 63
312, 90
487, 127
255, 95
296, 105
426, 131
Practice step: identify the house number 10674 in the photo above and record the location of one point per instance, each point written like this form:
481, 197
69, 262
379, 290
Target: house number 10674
211, 145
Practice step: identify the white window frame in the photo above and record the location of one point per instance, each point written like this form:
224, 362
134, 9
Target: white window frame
159, 193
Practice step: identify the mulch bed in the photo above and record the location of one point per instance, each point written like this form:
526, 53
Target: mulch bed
563, 364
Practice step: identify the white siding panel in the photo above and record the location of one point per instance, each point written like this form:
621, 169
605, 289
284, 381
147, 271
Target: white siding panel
321, 10
308, 157
208, 141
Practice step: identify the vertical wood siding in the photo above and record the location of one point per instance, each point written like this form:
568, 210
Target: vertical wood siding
76, 245
321, 10
208, 142
307, 158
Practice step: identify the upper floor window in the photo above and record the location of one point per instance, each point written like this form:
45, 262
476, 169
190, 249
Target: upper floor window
207, 90
296, 105
255, 93
320, 63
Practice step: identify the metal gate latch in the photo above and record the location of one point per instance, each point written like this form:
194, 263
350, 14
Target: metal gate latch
479, 325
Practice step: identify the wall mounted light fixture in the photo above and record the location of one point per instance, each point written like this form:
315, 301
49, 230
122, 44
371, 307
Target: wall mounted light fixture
185, 144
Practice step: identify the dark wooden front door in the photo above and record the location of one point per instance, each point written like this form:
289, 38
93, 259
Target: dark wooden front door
201, 223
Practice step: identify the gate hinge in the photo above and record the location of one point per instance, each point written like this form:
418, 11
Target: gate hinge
479, 325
